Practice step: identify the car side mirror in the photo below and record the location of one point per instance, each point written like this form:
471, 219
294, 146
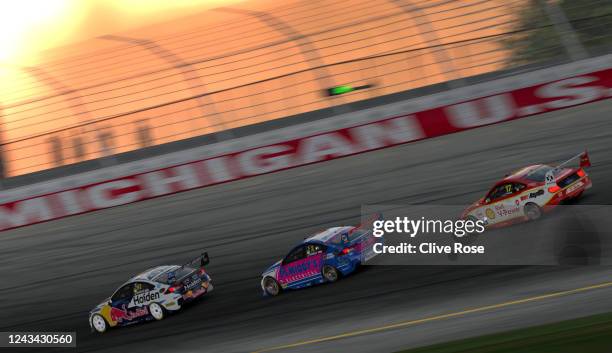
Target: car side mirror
205, 260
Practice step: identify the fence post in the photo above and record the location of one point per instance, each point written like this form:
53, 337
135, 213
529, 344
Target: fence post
308, 49
565, 30
428, 33
78, 106
188, 72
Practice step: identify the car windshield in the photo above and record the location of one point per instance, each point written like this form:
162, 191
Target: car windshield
539, 173
155, 272
171, 276
356, 233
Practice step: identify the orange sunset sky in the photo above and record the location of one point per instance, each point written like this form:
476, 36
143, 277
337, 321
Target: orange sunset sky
30, 27
68, 93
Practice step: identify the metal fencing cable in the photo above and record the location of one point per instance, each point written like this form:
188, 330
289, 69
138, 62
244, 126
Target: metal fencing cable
285, 57
267, 80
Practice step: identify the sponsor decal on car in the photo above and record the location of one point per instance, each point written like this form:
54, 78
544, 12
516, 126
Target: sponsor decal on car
145, 298
125, 314
193, 284
194, 293
504, 211
300, 269
574, 187
535, 194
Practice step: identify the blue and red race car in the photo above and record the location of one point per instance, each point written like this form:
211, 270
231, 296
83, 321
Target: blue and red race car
323, 257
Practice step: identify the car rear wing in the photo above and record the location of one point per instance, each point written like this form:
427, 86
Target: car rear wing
585, 162
366, 225
199, 261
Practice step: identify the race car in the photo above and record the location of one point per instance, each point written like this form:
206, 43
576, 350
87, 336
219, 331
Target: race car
530, 192
153, 293
323, 257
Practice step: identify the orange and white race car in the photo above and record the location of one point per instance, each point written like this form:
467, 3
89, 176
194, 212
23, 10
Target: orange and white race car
530, 192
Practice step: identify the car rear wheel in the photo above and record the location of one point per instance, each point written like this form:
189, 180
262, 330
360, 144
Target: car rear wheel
532, 211
330, 273
156, 311
472, 219
271, 286
98, 323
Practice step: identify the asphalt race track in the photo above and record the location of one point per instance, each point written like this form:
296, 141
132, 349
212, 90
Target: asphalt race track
54, 273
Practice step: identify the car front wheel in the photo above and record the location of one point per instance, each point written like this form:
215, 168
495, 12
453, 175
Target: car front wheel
532, 211
156, 311
271, 286
98, 323
330, 273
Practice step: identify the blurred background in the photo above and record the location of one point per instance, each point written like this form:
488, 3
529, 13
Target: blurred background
88, 79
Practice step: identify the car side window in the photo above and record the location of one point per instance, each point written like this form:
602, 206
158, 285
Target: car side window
313, 249
141, 287
296, 254
501, 191
341, 238
518, 187
125, 292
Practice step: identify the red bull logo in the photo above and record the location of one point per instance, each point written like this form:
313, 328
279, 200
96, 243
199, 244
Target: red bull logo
119, 315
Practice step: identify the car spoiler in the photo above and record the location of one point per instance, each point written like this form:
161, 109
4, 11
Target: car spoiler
197, 262
585, 162
366, 224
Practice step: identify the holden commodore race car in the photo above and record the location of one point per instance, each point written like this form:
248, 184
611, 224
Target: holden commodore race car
530, 192
153, 293
323, 257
